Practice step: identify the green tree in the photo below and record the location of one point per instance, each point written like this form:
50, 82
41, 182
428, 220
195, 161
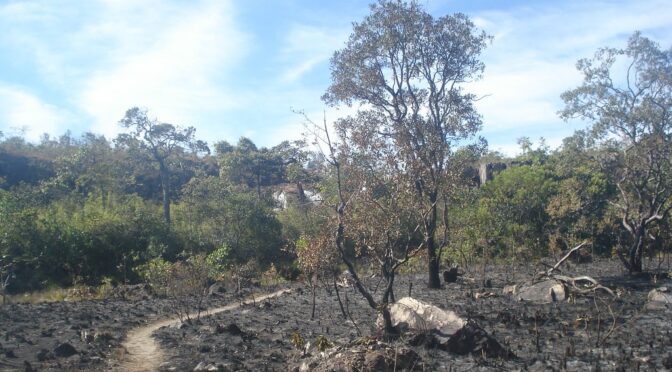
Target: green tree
247, 165
161, 141
214, 214
407, 70
633, 111
513, 210
580, 210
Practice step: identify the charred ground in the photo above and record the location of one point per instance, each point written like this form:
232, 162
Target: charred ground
590, 332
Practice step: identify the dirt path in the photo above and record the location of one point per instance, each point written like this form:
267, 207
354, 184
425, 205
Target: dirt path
143, 353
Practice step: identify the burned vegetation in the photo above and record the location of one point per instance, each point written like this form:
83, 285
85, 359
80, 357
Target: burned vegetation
390, 239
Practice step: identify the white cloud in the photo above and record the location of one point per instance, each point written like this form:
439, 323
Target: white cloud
307, 46
174, 68
20, 110
532, 58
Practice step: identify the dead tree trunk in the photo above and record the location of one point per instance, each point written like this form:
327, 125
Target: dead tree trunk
165, 190
338, 296
434, 280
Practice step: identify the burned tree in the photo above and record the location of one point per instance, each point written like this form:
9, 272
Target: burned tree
371, 217
407, 70
633, 115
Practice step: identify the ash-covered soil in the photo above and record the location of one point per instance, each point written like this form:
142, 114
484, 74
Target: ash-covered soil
79, 335
592, 332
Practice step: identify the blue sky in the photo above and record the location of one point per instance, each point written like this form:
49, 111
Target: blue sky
237, 68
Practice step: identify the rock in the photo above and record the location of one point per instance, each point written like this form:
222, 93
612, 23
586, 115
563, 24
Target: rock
420, 316
543, 292
510, 289
472, 339
450, 275
65, 350
661, 294
217, 289
659, 299
44, 354
232, 328
203, 366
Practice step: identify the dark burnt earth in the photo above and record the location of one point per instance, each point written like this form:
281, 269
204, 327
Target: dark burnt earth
592, 332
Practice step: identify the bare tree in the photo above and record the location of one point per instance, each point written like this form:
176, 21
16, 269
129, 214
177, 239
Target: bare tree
407, 71
633, 113
370, 216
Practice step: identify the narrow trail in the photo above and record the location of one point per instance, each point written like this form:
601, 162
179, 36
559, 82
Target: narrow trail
143, 353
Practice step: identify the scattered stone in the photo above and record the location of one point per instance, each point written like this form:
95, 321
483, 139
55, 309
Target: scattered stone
232, 328
659, 299
661, 294
413, 314
9, 353
203, 366
217, 289
44, 354
472, 339
543, 292
510, 289
450, 275
65, 350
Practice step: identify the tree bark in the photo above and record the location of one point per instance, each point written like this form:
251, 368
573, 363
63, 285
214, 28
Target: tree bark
165, 189
313, 287
338, 295
387, 320
635, 254
434, 280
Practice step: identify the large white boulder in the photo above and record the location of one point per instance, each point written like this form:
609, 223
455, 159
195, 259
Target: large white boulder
661, 294
421, 316
543, 292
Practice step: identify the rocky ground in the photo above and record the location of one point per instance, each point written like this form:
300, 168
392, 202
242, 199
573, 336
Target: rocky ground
589, 333
79, 335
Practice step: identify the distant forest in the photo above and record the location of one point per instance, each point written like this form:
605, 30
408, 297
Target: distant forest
406, 175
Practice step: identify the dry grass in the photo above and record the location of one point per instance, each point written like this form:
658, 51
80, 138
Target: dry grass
56, 294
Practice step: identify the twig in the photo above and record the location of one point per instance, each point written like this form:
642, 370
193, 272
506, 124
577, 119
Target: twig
563, 259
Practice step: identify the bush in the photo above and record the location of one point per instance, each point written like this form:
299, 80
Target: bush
184, 283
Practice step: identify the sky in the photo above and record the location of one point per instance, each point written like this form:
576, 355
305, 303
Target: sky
234, 68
